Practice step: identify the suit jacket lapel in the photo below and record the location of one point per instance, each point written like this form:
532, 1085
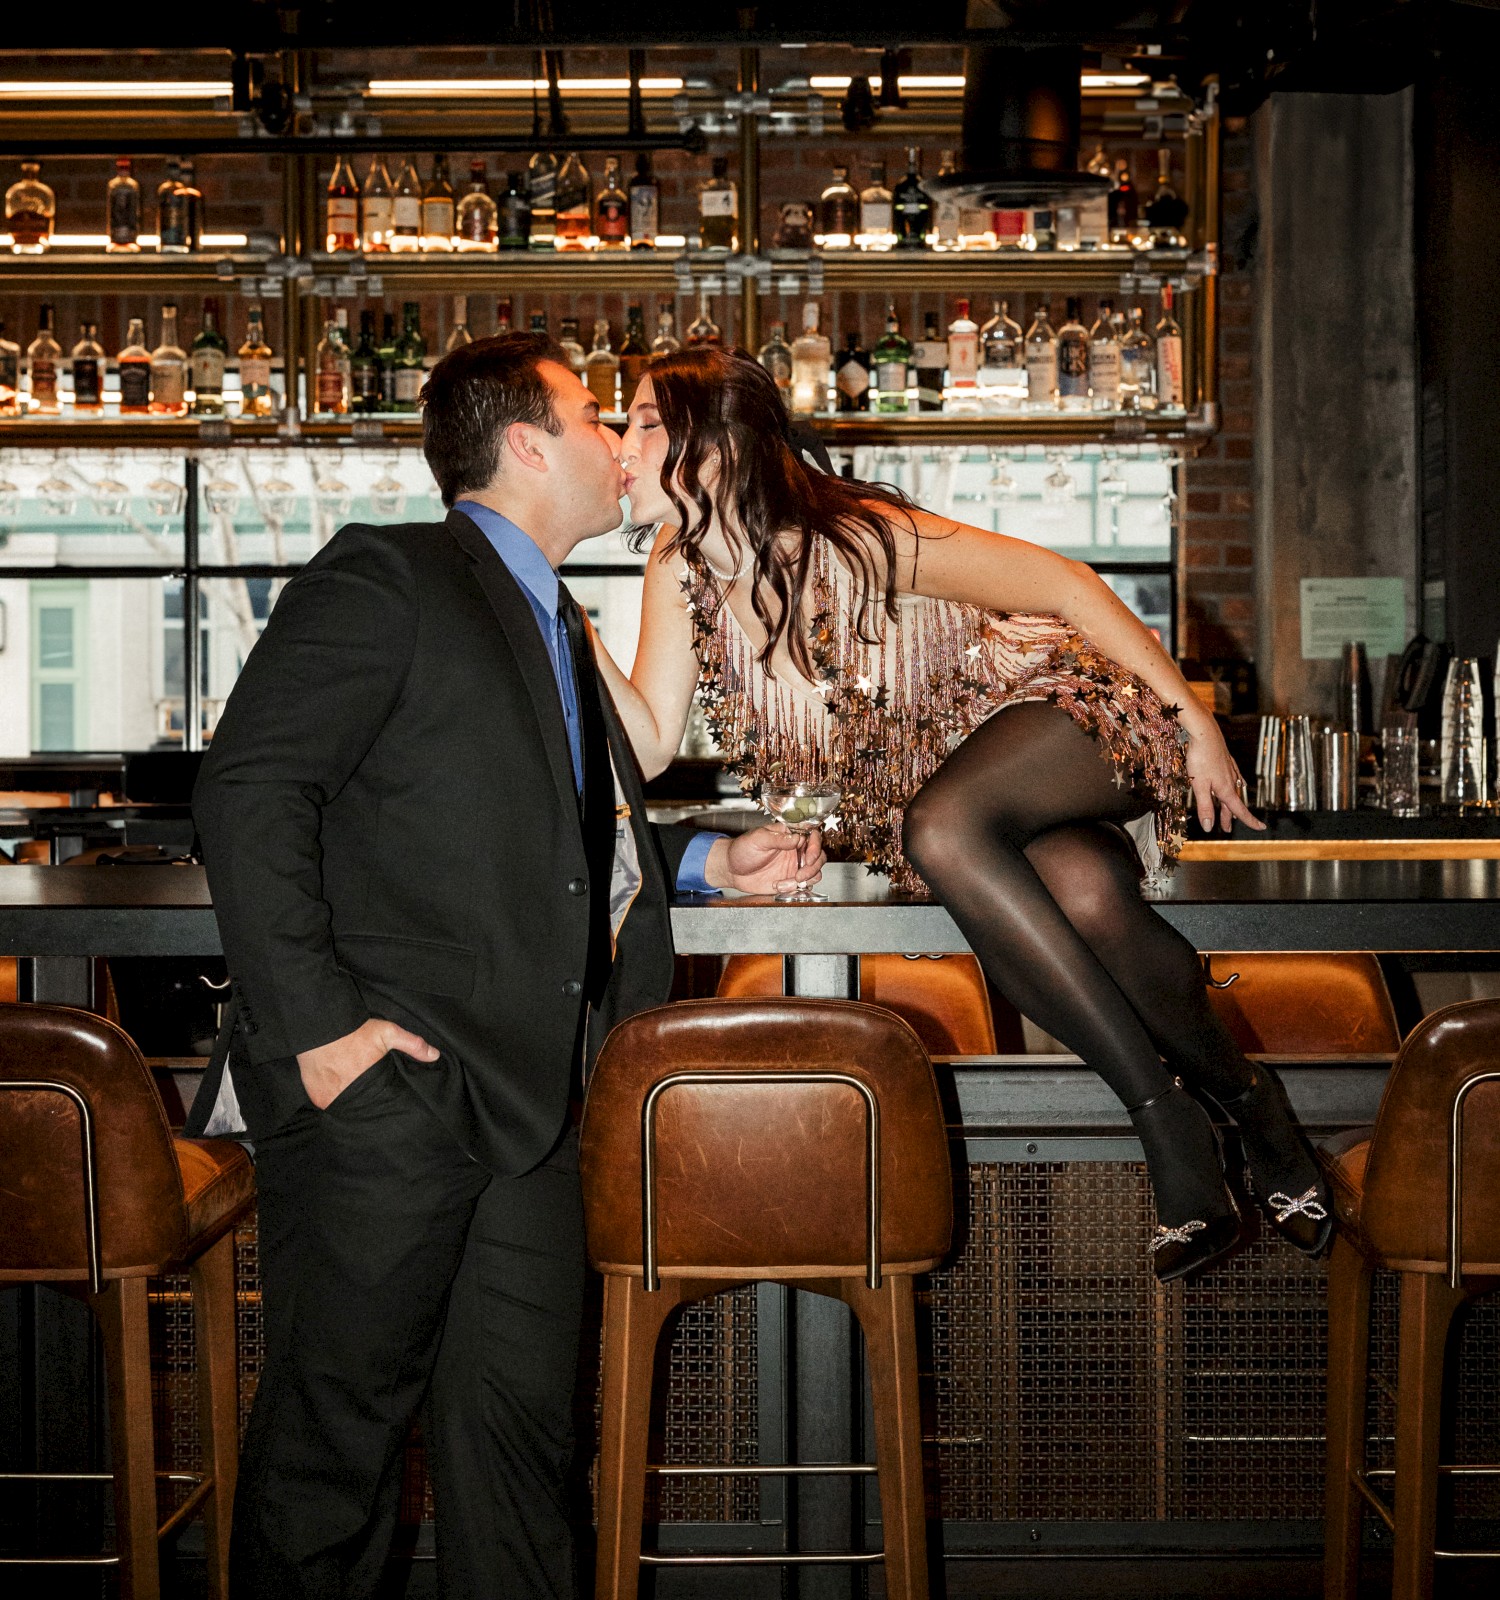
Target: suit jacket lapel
519, 626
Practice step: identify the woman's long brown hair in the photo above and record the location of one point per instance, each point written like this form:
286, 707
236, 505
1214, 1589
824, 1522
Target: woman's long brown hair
717, 402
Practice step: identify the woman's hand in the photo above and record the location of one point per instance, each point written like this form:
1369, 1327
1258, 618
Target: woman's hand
1218, 788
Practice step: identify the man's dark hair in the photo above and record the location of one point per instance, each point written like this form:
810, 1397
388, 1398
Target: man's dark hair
473, 395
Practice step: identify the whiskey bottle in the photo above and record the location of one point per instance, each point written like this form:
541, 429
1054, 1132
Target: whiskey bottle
437, 207
1073, 360
168, 370
1122, 208
386, 352
406, 209
851, 381
811, 361
1137, 366
411, 353
514, 214
574, 210
719, 209
459, 334
666, 342
568, 342
877, 229
1169, 379
976, 224
612, 210
30, 209
505, 317
775, 355
1104, 360
1008, 227
929, 359
912, 206
1041, 362
256, 399
645, 206
945, 211
194, 212
1002, 361
602, 370
634, 354
332, 377
43, 358
88, 361
341, 207
207, 356
122, 209
364, 369
541, 190
1093, 213
963, 351
838, 211
892, 361
703, 330
135, 371
171, 212
478, 215
10, 375
1166, 213
378, 207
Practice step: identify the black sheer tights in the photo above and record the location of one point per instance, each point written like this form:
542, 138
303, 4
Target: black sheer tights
1012, 833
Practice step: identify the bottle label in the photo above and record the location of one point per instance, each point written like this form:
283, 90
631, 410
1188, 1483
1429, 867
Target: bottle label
437, 217
366, 382
1169, 370
1093, 220
208, 371
963, 359
994, 375
407, 211
716, 203
168, 386
890, 377
973, 222
135, 385
408, 384
1041, 373
1104, 370
930, 353
380, 217
946, 221
645, 212
612, 220
343, 214
877, 217
255, 374
86, 385
853, 379
1072, 369
330, 390
1009, 226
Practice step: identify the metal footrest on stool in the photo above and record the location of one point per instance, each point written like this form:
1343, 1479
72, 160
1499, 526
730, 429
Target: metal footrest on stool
202, 1488
1361, 1481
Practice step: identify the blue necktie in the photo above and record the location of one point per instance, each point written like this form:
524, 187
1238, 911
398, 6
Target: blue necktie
567, 683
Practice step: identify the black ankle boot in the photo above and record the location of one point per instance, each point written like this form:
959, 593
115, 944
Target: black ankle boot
1186, 1247
1281, 1171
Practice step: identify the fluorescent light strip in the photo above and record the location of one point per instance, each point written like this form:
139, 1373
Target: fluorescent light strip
1089, 80
148, 241
100, 90
422, 88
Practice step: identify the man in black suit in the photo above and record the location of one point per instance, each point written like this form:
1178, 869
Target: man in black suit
437, 889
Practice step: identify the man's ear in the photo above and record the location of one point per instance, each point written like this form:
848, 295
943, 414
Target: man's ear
522, 448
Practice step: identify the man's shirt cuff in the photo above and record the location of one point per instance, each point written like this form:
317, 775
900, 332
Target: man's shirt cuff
690, 879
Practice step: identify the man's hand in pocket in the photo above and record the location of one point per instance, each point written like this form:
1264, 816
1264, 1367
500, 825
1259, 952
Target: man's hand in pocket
331, 1068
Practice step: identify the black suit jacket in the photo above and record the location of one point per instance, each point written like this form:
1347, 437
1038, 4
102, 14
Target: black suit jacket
391, 829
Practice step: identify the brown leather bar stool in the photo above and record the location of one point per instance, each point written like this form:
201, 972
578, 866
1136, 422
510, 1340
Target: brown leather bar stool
1304, 1003
1418, 1194
98, 1196
731, 1142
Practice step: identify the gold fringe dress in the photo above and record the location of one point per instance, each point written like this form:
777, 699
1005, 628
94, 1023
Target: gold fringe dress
878, 719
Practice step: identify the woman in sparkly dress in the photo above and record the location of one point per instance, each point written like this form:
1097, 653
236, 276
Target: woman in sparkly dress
992, 714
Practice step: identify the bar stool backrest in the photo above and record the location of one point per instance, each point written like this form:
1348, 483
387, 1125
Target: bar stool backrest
104, 1087
757, 1118
1437, 1140
1306, 1003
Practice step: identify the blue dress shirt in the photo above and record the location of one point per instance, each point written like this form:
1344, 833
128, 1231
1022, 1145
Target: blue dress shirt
538, 580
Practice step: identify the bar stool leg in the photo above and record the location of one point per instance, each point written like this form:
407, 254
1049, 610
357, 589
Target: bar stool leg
1349, 1280
887, 1316
1427, 1308
218, 1400
121, 1310
633, 1321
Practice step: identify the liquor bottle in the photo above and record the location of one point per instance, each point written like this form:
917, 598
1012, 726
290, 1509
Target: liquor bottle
945, 211
1041, 362
122, 209
775, 355
514, 214
1093, 213
539, 324
411, 352
505, 317
437, 207
1137, 366
207, 356
341, 205
1104, 360
1068, 235
332, 378
168, 370
10, 375
378, 208
892, 361
645, 206
541, 190
811, 359
406, 209
976, 224
719, 209
135, 371
256, 398
1166, 213
43, 358
929, 360
634, 354
574, 209
612, 209
364, 369
30, 209
1169, 384
568, 343
1002, 361
794, 226
194, 213
1041, 228
88, 361
963, 351
603, 369
912, 206
478, 219
459, 334
838, 211
386, 353
1008, 227
1122, 207
703, 329
666, 342
1073, 360
852, 379
877, 223
171, 212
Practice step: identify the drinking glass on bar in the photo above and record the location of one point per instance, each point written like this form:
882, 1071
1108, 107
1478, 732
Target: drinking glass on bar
1400, 781
1301, 785
1464, 753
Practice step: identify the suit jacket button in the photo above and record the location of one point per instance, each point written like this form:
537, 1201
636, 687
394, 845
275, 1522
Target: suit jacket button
578, 886
572, 988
